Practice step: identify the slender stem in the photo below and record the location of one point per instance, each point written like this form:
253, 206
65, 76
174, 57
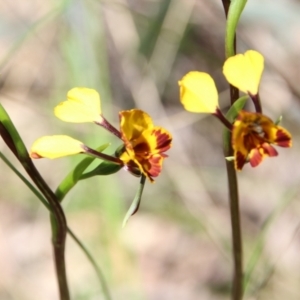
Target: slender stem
226, 4
27, 183
237, 285
256, 102
103, 156
104, 286
72, 234
234, 94
8, 140
59, 228
109, 127
222, 118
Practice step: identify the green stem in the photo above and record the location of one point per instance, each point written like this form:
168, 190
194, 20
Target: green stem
28, 184
94, 264
59, 228
233, 10
71, 233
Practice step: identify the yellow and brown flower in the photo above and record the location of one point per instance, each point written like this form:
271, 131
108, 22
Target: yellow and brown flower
252, 136
144, 143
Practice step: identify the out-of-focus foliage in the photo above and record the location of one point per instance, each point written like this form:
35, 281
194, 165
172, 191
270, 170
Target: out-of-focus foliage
134, 52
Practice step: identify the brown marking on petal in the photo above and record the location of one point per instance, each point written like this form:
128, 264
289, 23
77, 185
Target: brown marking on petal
35, 155
254, 132
283, 138
252, 141
240, 160
152, 166
142, 149
163, 140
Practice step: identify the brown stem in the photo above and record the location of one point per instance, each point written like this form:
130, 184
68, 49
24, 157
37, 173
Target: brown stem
8, 140
58, 232
237, 286
222, 118
103, 156
59, 227
256, 102
226, 4
109, 127
234, 93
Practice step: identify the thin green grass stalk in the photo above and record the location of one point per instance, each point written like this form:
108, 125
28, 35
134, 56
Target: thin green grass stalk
27, 183
93, 262
233, 10
59, 225
259, 246
99, 273
33, 28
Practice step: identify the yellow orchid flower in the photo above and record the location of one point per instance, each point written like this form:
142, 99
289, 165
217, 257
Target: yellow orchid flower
252, 136
144, 143
198, 92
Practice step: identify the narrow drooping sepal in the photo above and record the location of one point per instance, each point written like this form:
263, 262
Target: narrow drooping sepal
56, 146
252, 136
257, 154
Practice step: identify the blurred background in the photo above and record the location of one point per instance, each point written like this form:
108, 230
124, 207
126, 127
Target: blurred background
178, 246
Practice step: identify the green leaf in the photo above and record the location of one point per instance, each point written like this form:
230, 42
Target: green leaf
105, 168
234, 13
11, 136
136, 201
278, 121
231, 116
75, 175
150, 36
290, 195
236, 108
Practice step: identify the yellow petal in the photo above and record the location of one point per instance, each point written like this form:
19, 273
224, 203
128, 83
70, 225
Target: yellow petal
133, 123
55, 146
198, 92
83, 105
244, 71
